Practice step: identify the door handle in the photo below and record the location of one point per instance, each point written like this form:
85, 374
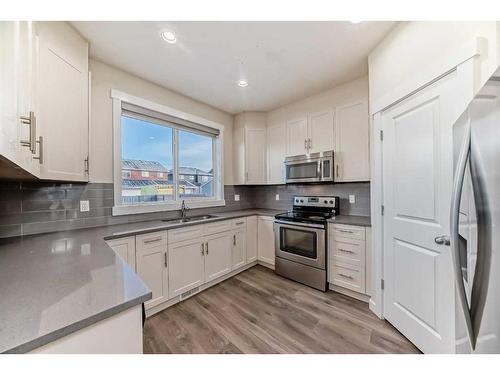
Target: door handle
442, 240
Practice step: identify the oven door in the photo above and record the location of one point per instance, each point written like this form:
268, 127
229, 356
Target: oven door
300, 242
305, 170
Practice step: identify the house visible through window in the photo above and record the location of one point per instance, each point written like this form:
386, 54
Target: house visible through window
150, 162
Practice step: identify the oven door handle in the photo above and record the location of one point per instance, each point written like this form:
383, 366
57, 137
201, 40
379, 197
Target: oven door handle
288, 224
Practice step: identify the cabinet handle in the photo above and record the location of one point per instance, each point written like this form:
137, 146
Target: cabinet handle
309, 144
305, 144
40, 150
336, 170
345, 231
206, 248
346, 276
202, 249
166, 262
31, 121
240, 223
234, 239
152, 240
347, 251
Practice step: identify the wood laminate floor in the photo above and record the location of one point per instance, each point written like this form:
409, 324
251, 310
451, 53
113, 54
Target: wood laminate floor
257, 311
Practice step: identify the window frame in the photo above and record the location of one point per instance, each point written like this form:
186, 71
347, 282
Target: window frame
218, 156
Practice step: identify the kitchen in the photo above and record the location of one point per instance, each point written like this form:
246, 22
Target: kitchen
237, 194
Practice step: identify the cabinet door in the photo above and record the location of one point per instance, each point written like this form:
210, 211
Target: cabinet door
186, 262
255, 156
265, 235
239, 249
217, 255
16, 80
276, 150
296, 137
352, 151
125, 248
251, 239
152, 268
62, 101
321, 131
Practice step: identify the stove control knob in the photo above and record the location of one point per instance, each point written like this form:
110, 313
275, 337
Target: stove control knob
326, 202
331, 202
301, 201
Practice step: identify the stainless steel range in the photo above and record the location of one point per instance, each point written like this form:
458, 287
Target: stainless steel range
300, 238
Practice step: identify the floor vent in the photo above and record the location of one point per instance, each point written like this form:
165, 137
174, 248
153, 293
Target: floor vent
189, 293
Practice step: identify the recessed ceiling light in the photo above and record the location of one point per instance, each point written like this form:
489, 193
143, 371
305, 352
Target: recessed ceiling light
169, 37
242, 83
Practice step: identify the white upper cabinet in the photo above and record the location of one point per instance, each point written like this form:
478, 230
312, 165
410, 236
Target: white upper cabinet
17, 102
63, 102
276, 151
321, 131
352, 153
250, 148
296, 137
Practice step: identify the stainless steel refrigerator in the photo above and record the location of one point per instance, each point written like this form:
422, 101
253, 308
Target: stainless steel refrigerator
475, 223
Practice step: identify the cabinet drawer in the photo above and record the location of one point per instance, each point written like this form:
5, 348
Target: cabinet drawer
239, 223
348, 250
347, 231
186, 233
150, 240
347, 276
217, 227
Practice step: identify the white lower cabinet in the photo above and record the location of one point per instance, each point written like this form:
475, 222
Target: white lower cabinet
217, 255
347, 258
251, 239
187, 266
125, 248
239, 252
152, 265
265, 235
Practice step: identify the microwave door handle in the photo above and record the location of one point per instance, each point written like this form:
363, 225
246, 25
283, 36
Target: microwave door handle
456, 194
320, 170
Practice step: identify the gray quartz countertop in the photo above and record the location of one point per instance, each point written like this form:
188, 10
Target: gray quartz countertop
54, 284
57, 283
364, 221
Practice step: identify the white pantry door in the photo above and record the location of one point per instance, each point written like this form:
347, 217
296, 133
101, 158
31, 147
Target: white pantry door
417, 182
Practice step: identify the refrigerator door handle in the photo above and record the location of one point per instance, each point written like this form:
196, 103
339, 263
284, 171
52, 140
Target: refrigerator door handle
456, 194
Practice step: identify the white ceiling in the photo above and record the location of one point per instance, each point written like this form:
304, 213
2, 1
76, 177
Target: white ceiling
282, 61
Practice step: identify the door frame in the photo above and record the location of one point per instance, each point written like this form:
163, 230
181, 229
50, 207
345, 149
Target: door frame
466, 74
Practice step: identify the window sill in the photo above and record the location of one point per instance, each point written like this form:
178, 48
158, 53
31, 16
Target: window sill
174, 206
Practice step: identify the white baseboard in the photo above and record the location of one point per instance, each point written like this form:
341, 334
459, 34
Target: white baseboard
265, 264
348, 292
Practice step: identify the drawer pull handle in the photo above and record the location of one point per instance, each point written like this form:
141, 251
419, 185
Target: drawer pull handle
240, 223
347, 251
346, 276
152, 240
345, 231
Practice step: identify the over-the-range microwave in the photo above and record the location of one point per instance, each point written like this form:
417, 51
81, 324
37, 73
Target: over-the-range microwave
316, 167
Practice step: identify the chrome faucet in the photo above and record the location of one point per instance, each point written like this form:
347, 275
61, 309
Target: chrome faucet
184, 208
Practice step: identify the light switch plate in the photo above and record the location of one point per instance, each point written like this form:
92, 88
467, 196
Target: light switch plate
236, 197
352, 198
84, 206
277, 197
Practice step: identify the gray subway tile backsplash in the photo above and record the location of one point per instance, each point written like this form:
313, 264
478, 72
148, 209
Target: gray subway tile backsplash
40, 207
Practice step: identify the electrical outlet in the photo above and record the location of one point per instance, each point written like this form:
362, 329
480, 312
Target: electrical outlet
277, 197
352, 198
236, 197
84, 206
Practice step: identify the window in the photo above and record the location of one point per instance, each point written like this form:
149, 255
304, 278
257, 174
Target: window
164, 160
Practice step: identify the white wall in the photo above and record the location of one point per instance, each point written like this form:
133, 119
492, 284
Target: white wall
414, 53
105, 78
337, 96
